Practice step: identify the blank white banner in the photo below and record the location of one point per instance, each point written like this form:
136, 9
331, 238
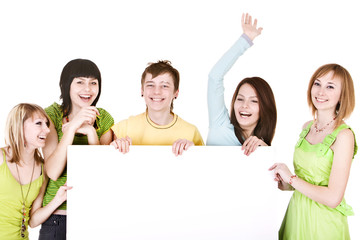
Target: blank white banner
207, 193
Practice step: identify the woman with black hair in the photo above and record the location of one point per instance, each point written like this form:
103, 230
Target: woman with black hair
76, 121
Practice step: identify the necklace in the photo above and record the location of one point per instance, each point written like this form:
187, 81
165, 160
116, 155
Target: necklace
23, 225
323, 128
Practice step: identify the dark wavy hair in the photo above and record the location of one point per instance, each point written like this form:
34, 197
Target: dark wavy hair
267, 122
74, 69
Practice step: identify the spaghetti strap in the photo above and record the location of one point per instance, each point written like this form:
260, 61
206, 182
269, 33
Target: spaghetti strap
4, 155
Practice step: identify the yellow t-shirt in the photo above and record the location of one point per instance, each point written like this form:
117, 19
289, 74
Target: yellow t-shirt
143, 131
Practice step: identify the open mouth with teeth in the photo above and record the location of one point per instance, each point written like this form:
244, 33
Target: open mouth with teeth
85, 97
245, 114
157, 99
320, 100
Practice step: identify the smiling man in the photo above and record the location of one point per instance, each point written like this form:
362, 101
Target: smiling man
158, 125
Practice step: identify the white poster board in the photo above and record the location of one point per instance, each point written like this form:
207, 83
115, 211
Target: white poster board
207, 193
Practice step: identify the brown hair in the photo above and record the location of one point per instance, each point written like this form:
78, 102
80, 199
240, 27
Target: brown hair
346, 103
159, 68
266, 125
14, 130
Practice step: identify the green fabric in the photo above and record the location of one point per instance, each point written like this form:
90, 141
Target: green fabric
104, 122
11, 202
306, 218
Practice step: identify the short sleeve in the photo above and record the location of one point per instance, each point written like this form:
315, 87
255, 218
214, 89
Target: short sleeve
197, 138
55, 114
119, 128
106, 121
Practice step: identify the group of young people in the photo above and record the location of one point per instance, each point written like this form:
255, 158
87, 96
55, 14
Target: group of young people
34, 186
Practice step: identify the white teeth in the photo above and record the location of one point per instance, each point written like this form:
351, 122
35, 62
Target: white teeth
85, 96
42, 137
157, 99
245, 114
321, 100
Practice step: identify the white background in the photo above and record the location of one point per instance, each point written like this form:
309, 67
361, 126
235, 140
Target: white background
39, 37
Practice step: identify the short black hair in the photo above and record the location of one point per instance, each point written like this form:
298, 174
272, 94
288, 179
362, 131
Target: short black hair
74, 69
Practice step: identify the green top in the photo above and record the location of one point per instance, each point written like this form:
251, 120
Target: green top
11, 202
306, 218
104, 122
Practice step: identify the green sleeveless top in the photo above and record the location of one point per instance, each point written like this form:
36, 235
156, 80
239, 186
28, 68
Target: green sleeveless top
104, 122
306, 218
11, 202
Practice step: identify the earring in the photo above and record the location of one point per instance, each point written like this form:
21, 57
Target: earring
175, 97
142, 95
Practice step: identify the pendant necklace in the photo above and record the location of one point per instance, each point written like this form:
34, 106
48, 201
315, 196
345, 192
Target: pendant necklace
323, 128
23, 225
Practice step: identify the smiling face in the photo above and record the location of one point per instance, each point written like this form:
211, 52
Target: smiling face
83, 91
246, 108
159, 92
325, 92
35, 131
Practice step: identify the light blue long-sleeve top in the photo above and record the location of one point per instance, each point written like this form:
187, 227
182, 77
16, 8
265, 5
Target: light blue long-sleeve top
221, 131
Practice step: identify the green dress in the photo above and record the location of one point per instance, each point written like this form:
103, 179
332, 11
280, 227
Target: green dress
305, 218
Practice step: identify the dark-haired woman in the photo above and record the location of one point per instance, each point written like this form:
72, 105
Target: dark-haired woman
253, 114
76, 121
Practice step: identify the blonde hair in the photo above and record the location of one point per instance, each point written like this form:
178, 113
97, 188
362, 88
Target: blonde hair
14, 130
346, 103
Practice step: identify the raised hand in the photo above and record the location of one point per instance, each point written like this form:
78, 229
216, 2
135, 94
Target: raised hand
249, 28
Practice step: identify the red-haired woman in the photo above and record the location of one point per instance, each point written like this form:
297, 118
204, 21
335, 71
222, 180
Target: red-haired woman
322, 161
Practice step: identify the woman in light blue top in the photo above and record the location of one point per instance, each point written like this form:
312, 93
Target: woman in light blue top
253, 114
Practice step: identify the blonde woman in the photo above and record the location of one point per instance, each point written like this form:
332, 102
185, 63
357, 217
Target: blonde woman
22, 176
